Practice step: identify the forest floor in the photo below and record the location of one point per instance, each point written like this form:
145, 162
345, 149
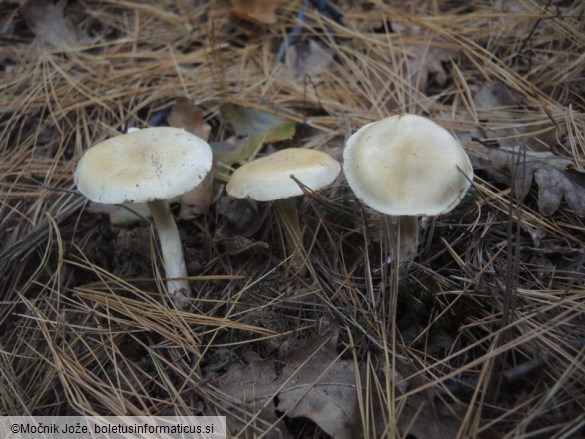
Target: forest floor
480, 335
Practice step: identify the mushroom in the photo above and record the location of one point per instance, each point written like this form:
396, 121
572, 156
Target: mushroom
149, 166
269, 179
407, 166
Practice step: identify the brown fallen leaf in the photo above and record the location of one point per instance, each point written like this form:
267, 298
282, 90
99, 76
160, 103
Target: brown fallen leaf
425, 60
497, 107
315, 384
238, 244
552, 175
251, 388
198, 200
553, 184
189, 117
47, 21
240, 217
524, 154
261, 12
307, 58
425, 57
320, 387
493, 96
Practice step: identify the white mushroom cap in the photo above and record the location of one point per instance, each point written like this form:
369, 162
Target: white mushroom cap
407, 165
145, 165
268, 178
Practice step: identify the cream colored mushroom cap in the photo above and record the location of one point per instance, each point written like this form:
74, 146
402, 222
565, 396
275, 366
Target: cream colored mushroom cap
150, 164
268, 178
407, 165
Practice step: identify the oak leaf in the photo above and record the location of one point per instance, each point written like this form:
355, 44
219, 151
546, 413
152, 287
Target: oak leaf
552, 174
314, 384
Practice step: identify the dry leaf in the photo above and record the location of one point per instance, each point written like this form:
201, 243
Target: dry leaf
262, 12
307, 58
528, 158
553, 184
252, 388
492, 96
425, 58
258, 127
238, 244
197, 201
46, 20
551, 174
250, 122
314, 384
321, 388
496, 106
241, 219
189, 117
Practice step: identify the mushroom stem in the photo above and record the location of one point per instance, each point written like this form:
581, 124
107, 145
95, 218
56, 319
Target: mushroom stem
172, 252
406, 229
289, 218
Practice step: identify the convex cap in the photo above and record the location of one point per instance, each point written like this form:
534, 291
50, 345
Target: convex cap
407, 165
268, 178
149, 164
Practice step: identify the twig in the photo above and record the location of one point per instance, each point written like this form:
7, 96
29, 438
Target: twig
526, 368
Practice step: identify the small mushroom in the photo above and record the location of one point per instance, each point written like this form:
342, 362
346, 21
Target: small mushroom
269, 179
407, 166
149, 166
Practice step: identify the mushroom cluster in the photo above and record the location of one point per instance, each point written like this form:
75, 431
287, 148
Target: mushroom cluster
149, 166
403, 166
